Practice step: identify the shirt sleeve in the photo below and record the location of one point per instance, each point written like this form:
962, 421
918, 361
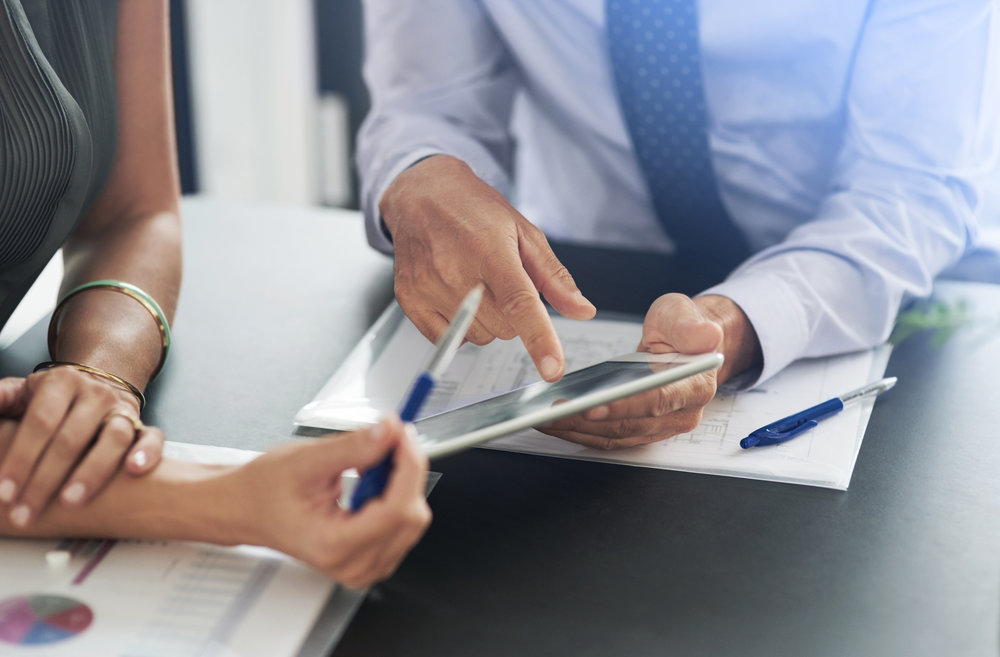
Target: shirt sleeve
920, 139
441, 81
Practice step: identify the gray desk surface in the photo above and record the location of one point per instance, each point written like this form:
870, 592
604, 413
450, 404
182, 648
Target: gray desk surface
531, 555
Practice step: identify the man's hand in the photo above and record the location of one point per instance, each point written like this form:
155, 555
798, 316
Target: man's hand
452, 231
674, 323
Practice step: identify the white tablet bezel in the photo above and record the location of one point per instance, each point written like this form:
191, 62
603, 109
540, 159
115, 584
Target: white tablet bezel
685, 366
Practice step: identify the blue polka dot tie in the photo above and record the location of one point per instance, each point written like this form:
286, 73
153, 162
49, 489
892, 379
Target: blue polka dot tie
654, 51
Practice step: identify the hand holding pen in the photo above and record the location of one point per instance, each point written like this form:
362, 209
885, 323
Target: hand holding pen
373, 481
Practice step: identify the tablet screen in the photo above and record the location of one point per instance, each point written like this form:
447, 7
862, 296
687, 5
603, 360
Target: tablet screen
543, 402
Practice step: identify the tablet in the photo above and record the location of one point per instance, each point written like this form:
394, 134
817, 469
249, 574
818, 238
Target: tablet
542, 402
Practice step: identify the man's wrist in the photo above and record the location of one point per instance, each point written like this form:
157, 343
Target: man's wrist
740, 344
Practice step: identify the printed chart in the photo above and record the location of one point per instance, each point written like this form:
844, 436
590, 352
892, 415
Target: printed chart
30, 620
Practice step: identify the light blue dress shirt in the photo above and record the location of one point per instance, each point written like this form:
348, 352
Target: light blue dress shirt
853, 141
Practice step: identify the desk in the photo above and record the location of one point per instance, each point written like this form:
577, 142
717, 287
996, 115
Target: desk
533, 556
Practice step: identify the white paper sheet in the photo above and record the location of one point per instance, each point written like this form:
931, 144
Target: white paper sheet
377, 374
156, 599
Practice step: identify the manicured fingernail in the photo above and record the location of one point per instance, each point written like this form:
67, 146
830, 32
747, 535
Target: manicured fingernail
550, 368
74, 493
597, 413
20, 515
139, 458
7, 490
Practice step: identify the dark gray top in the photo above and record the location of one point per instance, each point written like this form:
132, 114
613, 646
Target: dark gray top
57, 128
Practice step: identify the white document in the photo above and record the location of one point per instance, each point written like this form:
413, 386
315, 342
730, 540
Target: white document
377, 374
118, 598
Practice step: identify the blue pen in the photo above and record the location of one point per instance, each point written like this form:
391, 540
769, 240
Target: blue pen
373, 481
791, 426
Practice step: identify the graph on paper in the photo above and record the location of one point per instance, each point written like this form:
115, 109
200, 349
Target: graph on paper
131, 598
154, 599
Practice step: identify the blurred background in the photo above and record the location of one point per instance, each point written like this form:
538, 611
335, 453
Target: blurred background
268, 96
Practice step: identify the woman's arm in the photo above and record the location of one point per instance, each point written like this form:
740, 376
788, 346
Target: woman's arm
133, 231
285, 499
131, 234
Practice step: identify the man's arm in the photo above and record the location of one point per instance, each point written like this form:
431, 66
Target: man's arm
441, 82
434, 158
921, 136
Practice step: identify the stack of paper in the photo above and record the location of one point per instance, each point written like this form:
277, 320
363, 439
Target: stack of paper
377, 374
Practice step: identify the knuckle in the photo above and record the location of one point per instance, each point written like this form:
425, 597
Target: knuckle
418, 282
453, 270
420, 515
624, 428
118, 435
561, 273
480, 338
530, 230
703, 395
505, 332
331, 561
519, 303
154, 435
44, 423
690, 422
607, 443
663, 403
407, 295
67, 447
103, 393
67, 377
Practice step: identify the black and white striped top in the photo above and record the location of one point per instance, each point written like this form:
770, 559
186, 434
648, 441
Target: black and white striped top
57, 128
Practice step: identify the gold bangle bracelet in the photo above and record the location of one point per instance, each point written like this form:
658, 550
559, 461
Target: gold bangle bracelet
96, 371
128, 290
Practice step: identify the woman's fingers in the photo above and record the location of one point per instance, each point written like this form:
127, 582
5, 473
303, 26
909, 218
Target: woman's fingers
119, 434
73, 436
42, 420
146, 453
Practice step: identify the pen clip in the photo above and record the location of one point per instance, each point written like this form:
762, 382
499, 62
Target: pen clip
772, 435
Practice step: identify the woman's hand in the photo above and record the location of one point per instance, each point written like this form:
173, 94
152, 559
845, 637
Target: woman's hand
292, 503
74, 430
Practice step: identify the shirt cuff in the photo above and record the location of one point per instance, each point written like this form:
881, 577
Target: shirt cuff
775, 311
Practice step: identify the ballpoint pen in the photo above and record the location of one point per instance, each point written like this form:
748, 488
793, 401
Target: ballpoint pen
793, 425
373, 481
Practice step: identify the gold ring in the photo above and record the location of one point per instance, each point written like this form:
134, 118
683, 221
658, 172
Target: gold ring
137, 424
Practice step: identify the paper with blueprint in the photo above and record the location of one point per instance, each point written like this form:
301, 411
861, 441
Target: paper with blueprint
377, 374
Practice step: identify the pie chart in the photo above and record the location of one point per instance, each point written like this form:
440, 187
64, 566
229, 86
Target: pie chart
31, 620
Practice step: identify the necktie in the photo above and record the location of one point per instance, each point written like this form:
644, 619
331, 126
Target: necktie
655, 60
